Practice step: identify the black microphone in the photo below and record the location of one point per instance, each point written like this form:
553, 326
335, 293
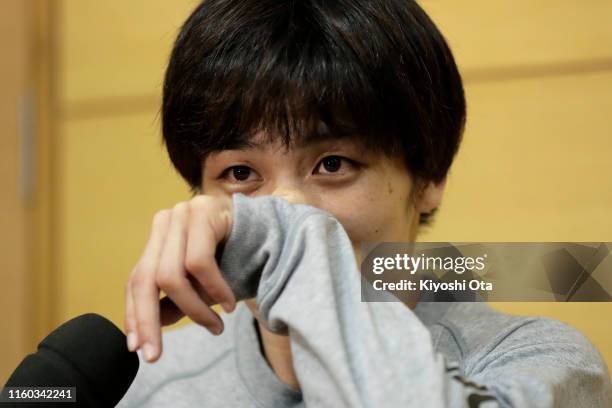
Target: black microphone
88, 352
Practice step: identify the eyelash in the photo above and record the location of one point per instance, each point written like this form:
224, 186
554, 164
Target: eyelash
352, 163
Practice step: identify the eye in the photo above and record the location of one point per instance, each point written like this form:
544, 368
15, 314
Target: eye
334, 164
238, 174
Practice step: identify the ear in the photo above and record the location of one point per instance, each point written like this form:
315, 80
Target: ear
430, 197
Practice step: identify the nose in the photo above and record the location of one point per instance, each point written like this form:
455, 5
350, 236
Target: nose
292, 194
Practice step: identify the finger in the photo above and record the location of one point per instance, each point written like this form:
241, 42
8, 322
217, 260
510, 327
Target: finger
130, 320
145, 291
170, 313
187, 300
172, 276
200, 258
200, 290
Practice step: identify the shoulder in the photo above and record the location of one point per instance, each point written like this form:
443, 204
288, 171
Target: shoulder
527, 355
495, 342
476, 321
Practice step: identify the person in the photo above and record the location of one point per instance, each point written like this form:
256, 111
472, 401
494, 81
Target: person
304, 128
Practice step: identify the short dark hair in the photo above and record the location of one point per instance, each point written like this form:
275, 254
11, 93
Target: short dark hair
376, 70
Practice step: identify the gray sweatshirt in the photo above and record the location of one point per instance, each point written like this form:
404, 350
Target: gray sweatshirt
299, 263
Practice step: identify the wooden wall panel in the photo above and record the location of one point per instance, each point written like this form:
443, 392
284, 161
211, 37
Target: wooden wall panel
14, 215
115, 48
119, 48
115, 176
534, 163
486, 34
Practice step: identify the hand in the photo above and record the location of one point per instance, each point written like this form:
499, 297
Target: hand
179, 259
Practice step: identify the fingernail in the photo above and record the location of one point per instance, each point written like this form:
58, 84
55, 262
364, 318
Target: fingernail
148, 351
132, 341
227, 306
217, 329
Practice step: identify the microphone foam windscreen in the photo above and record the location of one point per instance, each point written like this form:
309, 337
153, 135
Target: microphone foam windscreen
88, 352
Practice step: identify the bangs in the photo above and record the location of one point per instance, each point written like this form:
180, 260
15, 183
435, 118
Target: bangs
281, 105
293, 77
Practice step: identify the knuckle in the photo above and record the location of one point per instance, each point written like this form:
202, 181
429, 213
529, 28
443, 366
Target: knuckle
136, 281
199, 201
196, 262
160, 217
147, 266
180, 206
167, 278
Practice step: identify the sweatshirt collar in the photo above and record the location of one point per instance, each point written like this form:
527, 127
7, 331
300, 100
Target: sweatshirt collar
430, 313
256, 374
